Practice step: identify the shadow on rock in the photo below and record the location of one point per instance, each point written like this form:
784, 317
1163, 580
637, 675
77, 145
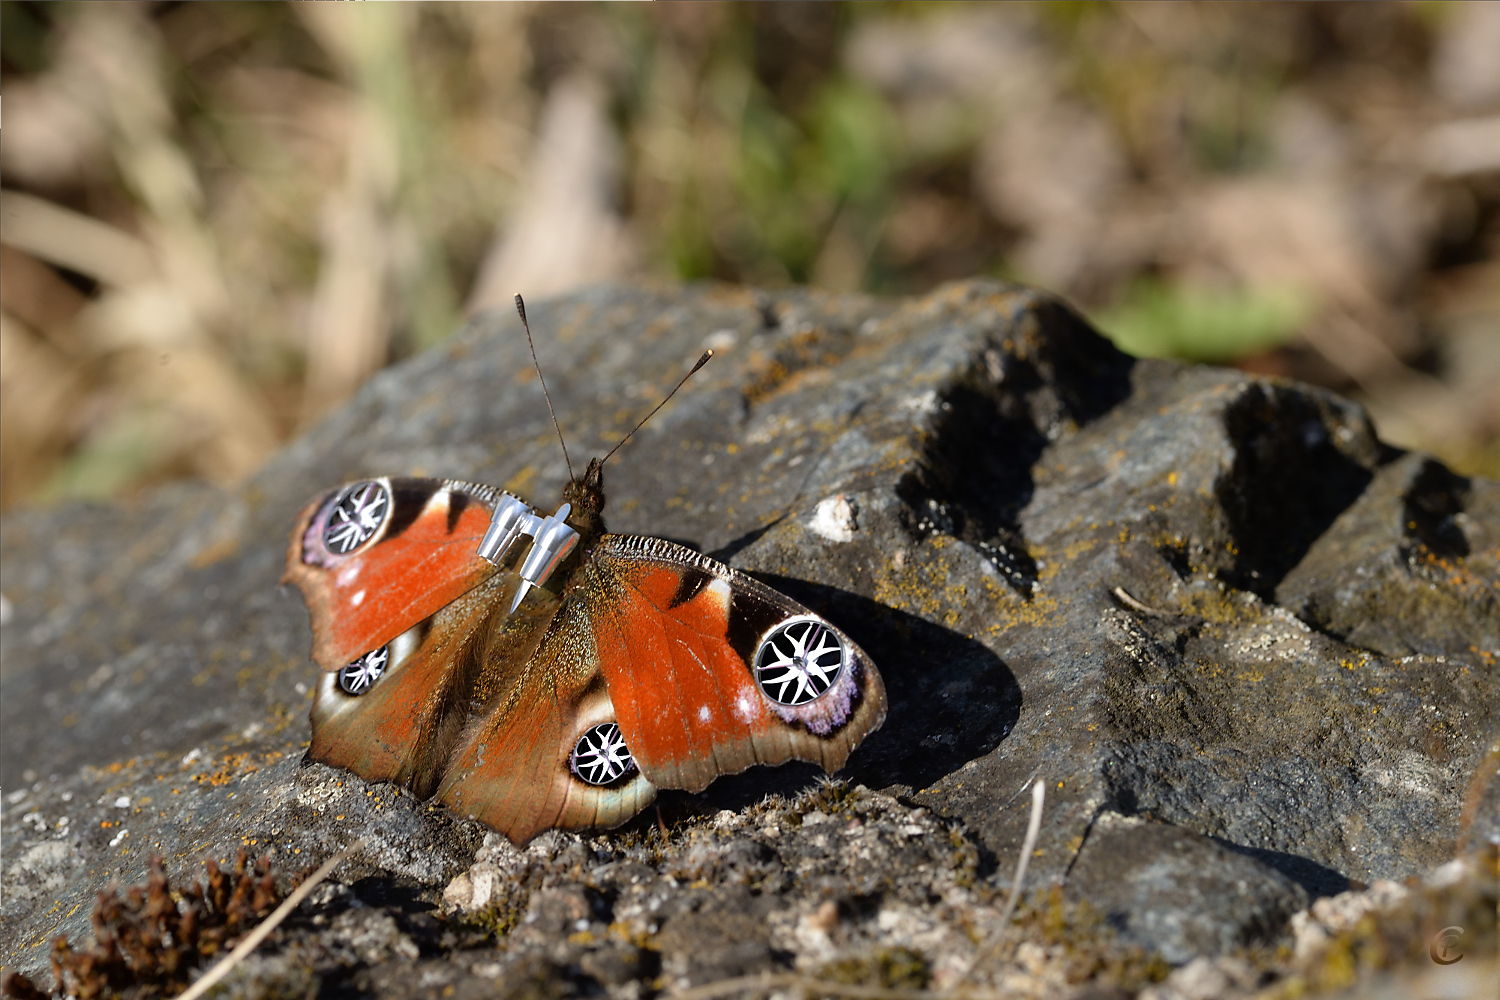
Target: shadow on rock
391, 894
1290, 478
1318, 880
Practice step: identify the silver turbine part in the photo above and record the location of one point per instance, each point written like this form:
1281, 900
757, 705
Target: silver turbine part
511, 520
552, 541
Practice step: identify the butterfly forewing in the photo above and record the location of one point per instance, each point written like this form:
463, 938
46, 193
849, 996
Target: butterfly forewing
374, 558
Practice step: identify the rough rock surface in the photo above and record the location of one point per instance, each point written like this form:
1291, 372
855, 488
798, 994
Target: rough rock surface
1250, 650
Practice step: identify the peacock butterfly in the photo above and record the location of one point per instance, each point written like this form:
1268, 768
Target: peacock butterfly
557, 682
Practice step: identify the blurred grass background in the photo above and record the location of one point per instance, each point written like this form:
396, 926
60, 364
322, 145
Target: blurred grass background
218, 220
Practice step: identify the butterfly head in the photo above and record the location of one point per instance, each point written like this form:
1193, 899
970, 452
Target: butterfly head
586, 494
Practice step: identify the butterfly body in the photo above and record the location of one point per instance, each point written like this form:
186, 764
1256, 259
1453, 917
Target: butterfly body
563, 696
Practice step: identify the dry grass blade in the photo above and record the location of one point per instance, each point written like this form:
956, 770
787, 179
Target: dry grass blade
37, 390
1033, 830
75, 241
255, 937
566, 231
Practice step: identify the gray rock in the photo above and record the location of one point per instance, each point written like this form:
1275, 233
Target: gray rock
1251, 651
1179, 893
1408, 568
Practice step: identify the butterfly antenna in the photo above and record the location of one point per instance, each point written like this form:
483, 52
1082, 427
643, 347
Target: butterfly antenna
521, 308
701, 362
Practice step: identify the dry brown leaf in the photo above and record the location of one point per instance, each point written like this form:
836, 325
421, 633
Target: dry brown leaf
567, 230
74, 241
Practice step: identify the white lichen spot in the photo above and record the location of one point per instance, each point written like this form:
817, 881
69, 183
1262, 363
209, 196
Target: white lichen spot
720, 340
926, 402
835, 518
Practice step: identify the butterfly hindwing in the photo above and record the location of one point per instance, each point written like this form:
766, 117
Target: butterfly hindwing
703, 670
375, 558
400, 721
546, 752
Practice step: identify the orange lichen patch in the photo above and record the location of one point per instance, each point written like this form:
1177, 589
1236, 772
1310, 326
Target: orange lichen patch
809, 349
231, 767
1440, 569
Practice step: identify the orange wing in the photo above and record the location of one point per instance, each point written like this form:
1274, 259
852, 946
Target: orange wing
375, 558
669, 667
515, 769
402, 725
703, 669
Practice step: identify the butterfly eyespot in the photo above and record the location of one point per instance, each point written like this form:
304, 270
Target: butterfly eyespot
356, 678
600, 757
799, 660
356, 517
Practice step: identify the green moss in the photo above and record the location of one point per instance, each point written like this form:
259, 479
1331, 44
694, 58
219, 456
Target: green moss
893, 968
831, 795
1092, 949
501, 916
965, 858
1401, 936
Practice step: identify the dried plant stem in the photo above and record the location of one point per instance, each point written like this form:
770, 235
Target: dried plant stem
1033, 830
1130, 602
255, 937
